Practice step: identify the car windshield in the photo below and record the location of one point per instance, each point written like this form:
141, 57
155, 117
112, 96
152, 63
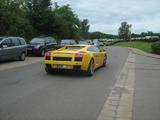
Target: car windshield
74, 47
37, 40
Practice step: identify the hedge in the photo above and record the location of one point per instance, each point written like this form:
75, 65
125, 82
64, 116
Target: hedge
156, 47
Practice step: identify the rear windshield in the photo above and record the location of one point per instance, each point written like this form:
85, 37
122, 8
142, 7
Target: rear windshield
74, 47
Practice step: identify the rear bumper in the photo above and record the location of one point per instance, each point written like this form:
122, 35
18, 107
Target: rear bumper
34, 51
73, 68
67, 65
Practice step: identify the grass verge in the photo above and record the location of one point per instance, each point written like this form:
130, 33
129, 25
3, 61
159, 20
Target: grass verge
144, 46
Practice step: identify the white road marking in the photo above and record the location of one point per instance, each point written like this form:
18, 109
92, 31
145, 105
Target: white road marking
15, 64
119, 105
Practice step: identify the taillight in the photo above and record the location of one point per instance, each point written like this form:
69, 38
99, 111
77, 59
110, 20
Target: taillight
47, 56
79, 56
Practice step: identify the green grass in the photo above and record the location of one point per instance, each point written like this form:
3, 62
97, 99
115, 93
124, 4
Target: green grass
144, 46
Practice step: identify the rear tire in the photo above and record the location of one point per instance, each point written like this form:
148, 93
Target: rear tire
48, 69
90, 70
104, 61
22, 57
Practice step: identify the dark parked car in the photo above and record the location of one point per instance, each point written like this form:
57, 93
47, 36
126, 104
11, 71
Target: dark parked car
89, 42
12, 47
67, 42
101, 44
40, 45
97, 43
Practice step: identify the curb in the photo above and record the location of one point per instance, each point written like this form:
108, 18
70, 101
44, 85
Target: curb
119, 104
142, 53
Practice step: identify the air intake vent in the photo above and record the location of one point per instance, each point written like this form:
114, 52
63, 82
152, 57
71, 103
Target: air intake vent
62, 58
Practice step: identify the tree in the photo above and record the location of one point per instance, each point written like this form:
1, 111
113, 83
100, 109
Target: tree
100, 35
40, 15
13, 19
84, 29
67, 23
124, 31
30, 18
148, 33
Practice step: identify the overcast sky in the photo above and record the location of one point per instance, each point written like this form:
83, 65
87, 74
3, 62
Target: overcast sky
106, 15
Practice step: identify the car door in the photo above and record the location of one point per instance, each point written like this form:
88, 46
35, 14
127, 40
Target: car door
95, 55
6, 49
98, 56
101, 56
2, 57
16, 47
23, 45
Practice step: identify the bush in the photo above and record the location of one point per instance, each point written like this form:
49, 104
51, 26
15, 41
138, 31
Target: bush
156, 47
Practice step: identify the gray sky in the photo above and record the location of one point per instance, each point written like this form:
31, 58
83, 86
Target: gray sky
106, 15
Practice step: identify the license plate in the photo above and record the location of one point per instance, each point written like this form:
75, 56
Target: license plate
61, 66
29, 48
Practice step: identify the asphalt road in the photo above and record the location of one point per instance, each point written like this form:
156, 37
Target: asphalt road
28, 93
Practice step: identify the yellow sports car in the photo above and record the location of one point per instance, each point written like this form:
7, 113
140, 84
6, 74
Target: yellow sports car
76, 57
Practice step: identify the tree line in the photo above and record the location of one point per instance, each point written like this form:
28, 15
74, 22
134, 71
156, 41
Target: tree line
30, 18
125, 32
